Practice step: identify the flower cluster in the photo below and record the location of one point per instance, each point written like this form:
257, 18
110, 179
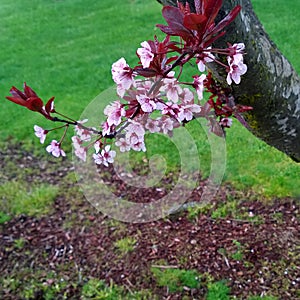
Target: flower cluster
151, 97
236, 63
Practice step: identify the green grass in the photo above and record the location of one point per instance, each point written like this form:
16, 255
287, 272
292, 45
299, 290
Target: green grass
125, 245
17, 198
66, 48
176, 279
98, 289
218, 290
281, 20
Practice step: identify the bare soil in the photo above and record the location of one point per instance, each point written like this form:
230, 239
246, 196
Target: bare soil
255, 247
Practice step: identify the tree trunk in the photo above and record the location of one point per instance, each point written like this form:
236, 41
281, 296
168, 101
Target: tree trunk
271, 85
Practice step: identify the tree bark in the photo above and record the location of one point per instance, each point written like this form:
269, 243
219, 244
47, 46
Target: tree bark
271, 85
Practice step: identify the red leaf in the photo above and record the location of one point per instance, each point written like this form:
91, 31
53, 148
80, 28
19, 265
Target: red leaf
211, 39
147, 72
17, 93
28, 98
29, 92
166, 29
241, 119
215, 127
34, 104
171, 59
49, 106
243, 108
16, 99
194, 21
174, 18
184, 8
203, 6
227, 20
211, 9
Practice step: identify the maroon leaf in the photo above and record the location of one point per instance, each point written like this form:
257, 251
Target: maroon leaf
215, 127
174, 18
49, 106
241, 119
171, 59
28, 91
147, 72
34, 104
16, 93
211, 10
166, 29
203, 6
28, 98
211, 39
194, 21
205, 110
243, 108
184, 8
227, 20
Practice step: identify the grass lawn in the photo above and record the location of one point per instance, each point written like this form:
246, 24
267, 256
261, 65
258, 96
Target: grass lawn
65, 49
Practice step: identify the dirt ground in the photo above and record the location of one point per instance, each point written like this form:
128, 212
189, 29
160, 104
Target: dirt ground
253, 244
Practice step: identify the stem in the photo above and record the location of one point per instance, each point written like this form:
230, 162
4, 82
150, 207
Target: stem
176, 63
75, 123
65, 116
48, 130
65, 132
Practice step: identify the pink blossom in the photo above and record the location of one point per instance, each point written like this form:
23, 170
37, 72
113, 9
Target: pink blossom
97, 146
152, 125
84, 134
170, 109
145, 54
143, 86
226, 122
135, 135
187, 96
40, 133
135, 127
166, 125
147, 104
235, 71
115, 112
136, 142
236, 52
203, 59
105, 157
79, 151
198, 84
187, 112
106, 129
122, 75
171, 88
55, 150
123, 144
98, 158
77, 142
108, 155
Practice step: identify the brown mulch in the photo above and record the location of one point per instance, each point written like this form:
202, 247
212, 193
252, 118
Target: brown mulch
77, 242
